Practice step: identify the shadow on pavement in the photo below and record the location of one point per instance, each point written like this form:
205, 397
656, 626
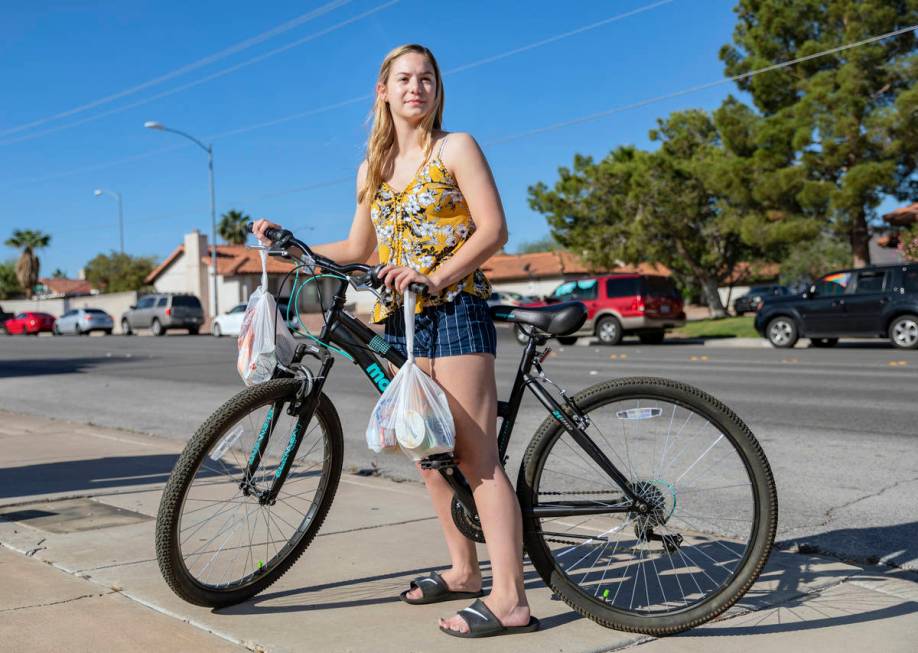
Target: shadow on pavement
83, 475
897, 544
47, 366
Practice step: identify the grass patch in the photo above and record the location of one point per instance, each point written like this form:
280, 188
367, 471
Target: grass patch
727, 327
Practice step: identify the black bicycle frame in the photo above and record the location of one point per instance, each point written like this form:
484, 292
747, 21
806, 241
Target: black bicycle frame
366, 346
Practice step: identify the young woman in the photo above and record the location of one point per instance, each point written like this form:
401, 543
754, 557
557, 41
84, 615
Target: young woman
427, 199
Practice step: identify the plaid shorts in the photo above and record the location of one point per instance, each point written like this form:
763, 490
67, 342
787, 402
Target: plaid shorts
462, 326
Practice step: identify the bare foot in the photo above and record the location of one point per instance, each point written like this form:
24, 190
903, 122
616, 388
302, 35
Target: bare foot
455, 581
509, 612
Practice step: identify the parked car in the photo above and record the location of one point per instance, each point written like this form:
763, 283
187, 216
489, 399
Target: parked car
82, 321
509, 298
752, 300
29, 323
621, 304
163, 311
229, 323
871, 302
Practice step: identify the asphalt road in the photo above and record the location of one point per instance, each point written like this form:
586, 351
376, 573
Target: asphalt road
840, 426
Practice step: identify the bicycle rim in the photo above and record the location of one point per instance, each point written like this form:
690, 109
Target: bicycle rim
712, 508
226, 538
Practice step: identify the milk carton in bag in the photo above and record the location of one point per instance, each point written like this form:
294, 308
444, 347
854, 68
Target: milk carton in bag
264, 341
413, 412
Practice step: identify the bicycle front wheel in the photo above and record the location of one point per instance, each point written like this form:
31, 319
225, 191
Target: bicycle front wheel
217, 544
711, 517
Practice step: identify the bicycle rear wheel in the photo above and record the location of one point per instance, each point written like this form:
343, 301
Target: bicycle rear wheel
712, 507
216, 543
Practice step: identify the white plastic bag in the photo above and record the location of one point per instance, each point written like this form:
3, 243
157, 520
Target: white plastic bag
413, 411
263, 340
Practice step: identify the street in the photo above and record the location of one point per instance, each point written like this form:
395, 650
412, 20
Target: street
838, 425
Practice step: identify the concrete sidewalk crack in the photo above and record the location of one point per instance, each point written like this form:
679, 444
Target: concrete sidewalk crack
871, 495
368, 528
45, 605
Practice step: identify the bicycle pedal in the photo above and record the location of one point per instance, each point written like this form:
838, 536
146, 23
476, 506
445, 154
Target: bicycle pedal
438, 461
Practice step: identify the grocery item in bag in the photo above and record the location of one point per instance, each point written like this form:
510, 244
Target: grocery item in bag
263, 340
413, 411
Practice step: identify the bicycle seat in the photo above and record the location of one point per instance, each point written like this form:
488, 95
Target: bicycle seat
556, 319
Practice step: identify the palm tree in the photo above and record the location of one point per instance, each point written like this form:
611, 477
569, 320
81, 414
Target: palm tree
232, 227
28, 264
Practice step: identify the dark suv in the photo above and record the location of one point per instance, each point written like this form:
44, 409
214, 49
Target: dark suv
164, 311
752, 300
871, 302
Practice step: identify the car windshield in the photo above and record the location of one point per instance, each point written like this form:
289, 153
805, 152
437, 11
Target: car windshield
584, 289
186, 300
94, 311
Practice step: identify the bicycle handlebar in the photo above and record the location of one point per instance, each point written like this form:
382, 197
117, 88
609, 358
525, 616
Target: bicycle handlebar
283, 238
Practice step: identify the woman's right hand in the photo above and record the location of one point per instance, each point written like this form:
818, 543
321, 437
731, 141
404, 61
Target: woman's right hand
259, 230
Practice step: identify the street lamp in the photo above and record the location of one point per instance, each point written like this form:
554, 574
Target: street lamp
99, 192
152, 124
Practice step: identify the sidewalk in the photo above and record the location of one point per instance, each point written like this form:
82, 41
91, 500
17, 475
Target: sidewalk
77, 508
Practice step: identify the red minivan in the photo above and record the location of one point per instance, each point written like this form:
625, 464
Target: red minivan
644, 305
30, 322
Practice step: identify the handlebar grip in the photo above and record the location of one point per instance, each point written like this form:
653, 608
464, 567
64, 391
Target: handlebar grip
420, 289
274, 235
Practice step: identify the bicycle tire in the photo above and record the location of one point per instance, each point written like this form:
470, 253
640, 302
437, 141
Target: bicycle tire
589, 604
209, 435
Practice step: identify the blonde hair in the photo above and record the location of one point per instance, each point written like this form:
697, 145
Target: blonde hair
382, 134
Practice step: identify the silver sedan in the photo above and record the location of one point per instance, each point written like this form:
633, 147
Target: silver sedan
83, 320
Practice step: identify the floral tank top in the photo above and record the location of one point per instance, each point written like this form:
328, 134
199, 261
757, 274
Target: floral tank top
423, 226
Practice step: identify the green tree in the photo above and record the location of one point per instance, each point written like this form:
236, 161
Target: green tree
546, 244
844, 125
9, 284
117, 272
810, 260
58, 274
232, 227
908, 242
690, 205
28, 265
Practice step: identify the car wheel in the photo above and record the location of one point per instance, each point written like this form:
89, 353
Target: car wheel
521, 336
782, 332
903, 332
192, 331
216, 331
567, 340
126, 328
654, 338
823, 343
107, 332
609, 330
739, 313
157, 328
55, 330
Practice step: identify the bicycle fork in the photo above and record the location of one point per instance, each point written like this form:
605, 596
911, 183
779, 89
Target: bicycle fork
304, 407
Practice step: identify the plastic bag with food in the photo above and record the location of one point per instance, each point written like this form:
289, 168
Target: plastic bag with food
264, 341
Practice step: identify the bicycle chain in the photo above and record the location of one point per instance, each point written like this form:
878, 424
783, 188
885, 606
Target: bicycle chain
580, 492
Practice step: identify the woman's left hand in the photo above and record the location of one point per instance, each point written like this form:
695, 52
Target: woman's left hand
398, 278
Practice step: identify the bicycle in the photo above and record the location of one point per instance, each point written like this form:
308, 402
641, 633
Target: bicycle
648, 505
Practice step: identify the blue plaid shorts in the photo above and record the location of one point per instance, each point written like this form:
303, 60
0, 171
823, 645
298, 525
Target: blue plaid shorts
462, 326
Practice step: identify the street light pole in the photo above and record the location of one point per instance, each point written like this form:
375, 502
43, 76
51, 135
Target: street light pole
152, 124
101, 191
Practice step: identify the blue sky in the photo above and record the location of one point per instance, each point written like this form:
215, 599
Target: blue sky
298, 169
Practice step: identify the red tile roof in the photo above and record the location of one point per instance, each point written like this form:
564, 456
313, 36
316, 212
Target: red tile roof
66, 287
903, 216
231, 260
512, 267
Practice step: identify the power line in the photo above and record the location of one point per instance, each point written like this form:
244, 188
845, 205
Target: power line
700, 87
215, 75
361, 98
217, 56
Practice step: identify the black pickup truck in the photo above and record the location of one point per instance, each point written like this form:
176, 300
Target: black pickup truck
870, 302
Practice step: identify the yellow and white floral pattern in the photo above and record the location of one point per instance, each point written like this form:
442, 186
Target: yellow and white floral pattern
421, 227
